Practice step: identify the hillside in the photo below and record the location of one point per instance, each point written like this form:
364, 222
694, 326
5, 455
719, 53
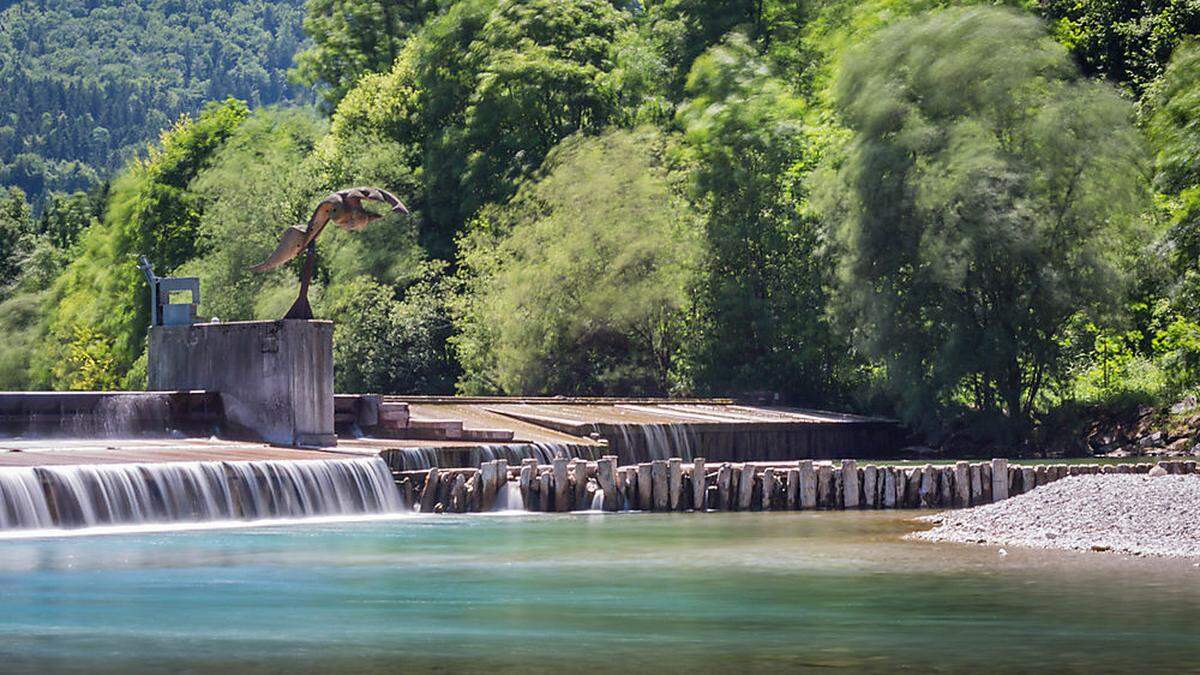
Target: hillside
89, 83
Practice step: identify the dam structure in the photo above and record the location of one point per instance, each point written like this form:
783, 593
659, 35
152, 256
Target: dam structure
241, 423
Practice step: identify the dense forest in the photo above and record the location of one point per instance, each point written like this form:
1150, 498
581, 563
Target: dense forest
88, 83
971, 216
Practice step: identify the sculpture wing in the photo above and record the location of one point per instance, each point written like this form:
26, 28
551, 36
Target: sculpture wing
381, 195
296, 237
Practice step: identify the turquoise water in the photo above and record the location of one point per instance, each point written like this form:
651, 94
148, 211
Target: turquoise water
607, 593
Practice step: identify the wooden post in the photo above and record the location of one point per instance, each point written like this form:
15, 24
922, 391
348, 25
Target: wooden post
487, 485
1028, 478
975, 476
658, 476
429, 493
699, 486
579, 474
525, 482
912, 488
1042, 475
808, 484
889, 487
631, 487
458, 495
606, 477
793, 489
826, 499
724, 488
962, 485
406, 492
928, 489
546, 488
945, 486
768, 488
999, 479
985, 483
674, 484
850, 484
745, 497
645, 486
474, 496
870, 476
562, 488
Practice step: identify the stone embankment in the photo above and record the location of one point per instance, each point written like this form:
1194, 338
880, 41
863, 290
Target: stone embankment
672, 485
1139, 514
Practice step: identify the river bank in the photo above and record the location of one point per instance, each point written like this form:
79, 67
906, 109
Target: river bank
1126, 513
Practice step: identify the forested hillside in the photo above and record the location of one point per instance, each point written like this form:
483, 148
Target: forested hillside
87, 84
974, 217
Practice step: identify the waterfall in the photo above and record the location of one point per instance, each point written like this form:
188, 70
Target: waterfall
647, 442
133, 494
22, 501
413, 459
419, 459
509, 498
598, 500
122, 415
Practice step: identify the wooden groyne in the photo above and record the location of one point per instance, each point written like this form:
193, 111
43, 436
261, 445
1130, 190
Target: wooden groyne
672, 485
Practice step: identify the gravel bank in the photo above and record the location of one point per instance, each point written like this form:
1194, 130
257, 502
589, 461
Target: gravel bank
1111, 512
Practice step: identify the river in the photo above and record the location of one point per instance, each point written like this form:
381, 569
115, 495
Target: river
606, 593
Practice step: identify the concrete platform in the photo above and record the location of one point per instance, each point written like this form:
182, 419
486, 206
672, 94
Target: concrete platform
58, 452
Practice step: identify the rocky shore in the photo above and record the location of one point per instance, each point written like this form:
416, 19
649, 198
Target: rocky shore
1127, 513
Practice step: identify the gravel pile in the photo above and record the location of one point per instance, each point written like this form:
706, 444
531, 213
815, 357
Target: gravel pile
1110, 512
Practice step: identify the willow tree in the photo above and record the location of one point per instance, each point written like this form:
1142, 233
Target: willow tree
985, 198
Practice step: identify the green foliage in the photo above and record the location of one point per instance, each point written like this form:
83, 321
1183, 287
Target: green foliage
14, 234
986, 198
88, 83
579, 285
100, 299
760, 323
89, 362
483, 92
351, 38
1128, 41
382, 344
257, 184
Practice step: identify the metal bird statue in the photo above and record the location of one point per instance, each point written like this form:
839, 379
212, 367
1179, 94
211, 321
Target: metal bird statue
343, 207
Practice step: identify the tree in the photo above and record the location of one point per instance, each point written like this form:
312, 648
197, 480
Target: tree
100, 299
351, 38
479, 96
14, 233
385, 345
1127, 41
986, 196
579, 284
1175, 134
760, 319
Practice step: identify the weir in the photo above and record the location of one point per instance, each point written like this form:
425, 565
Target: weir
139, 494
672, 485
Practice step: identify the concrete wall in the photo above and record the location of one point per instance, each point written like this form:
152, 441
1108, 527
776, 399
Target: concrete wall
275, 378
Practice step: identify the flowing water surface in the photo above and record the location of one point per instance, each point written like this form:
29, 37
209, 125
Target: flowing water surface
605, 593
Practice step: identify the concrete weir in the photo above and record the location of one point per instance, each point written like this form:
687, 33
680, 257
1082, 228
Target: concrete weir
641, 430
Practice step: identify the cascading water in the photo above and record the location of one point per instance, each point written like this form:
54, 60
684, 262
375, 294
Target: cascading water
509, 498
134, 494
22, 500
122, 415
419, 459
647, 442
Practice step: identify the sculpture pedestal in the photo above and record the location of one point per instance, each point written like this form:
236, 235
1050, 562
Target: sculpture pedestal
275, 378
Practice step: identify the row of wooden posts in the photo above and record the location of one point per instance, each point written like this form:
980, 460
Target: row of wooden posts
671, 485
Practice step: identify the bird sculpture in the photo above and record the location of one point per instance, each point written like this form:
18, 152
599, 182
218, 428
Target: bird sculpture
344, 207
